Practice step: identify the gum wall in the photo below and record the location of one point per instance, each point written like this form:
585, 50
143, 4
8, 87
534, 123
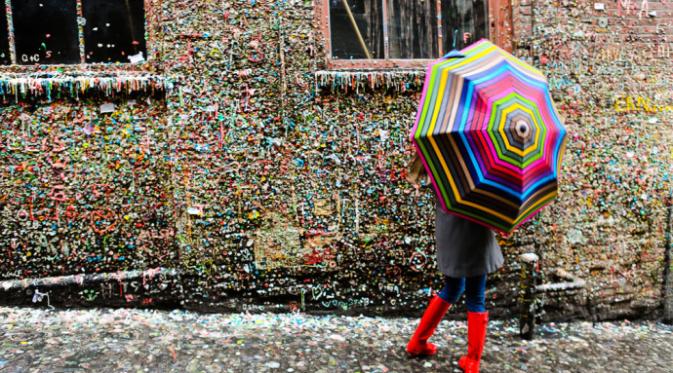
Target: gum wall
244, 175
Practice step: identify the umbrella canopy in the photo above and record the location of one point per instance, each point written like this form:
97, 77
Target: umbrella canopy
489, 136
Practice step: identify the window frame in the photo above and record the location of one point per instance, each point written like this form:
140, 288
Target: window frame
499, 16
152, 30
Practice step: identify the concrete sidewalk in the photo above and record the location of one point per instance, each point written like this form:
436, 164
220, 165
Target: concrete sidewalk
125, 340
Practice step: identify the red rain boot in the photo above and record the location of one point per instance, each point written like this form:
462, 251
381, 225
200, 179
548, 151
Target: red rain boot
419, 345
476, 337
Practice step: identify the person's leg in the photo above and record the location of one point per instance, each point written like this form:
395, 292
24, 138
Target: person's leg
477, 319
453, 289
439, 305
475, 289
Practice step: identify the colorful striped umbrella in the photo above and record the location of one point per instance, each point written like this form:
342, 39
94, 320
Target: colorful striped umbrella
489, 136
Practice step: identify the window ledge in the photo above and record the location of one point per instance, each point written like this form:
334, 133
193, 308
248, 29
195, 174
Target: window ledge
363, 80
53, 85
346, 64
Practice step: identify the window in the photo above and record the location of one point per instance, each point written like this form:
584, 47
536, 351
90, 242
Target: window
402, 29
114, 30
364, 33
45, 31
72, 31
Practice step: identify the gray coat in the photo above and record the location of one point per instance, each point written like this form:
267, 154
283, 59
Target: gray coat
464, 248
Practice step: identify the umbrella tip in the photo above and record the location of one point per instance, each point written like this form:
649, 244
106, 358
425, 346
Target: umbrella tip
454, 54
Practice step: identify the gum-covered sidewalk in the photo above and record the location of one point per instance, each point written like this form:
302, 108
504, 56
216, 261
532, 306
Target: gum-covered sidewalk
126, 340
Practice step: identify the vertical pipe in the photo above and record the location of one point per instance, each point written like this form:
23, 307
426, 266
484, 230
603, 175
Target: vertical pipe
668, 272
528, 278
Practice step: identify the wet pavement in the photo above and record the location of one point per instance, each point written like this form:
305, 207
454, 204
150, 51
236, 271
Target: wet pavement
125, 340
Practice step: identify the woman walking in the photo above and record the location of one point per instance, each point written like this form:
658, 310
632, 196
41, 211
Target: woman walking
466, 253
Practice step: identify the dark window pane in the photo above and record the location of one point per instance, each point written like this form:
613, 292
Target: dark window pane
114, 30
45, 31
368, 15
412, 29
4, 38
467, 19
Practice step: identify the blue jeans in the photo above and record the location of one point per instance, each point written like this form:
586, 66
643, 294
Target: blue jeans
474, 288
